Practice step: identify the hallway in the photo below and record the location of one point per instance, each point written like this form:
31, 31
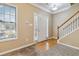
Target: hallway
46, 48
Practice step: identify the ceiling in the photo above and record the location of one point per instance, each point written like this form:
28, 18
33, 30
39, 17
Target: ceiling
53, 8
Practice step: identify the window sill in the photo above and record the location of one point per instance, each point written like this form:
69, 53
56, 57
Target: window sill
3, 40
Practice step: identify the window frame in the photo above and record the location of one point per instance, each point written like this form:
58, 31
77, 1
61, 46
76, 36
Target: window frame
16, 23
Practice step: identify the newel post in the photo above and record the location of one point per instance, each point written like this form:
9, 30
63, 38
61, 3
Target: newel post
57, 32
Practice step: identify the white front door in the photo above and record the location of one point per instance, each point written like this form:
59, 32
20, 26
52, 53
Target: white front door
40, 27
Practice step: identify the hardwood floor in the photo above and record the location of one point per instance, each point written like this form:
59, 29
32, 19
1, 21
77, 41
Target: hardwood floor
46, 48
34, 50
46, 45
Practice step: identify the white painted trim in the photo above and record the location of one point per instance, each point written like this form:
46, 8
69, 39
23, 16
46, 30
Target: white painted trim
42, 8
64, 9
5, 52
3, 40
47, 25
68, 45
52, 37
10, 4
48, 10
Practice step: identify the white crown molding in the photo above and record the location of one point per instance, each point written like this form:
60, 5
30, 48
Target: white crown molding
42, 8
49, 11
64, 9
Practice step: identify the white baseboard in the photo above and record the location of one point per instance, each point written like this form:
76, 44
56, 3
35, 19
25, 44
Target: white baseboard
5, 52
52, 37
68, 45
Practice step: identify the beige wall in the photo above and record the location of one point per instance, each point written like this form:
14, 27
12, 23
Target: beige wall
25, 32
59, 18
72, 39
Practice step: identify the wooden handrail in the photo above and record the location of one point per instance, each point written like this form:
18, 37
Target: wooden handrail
68, 19
64, 23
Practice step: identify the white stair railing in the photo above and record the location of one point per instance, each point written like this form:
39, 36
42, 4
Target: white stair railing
71, 25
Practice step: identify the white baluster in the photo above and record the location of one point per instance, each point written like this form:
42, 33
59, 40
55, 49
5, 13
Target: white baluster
73, 26
78, 21
65, 30
59, 32
69, 28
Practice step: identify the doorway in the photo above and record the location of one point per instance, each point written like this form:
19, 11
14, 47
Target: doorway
40, 27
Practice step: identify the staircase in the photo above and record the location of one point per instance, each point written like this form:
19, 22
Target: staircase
69, 26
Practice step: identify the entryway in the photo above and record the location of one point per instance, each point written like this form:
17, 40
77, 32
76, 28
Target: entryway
40, 27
